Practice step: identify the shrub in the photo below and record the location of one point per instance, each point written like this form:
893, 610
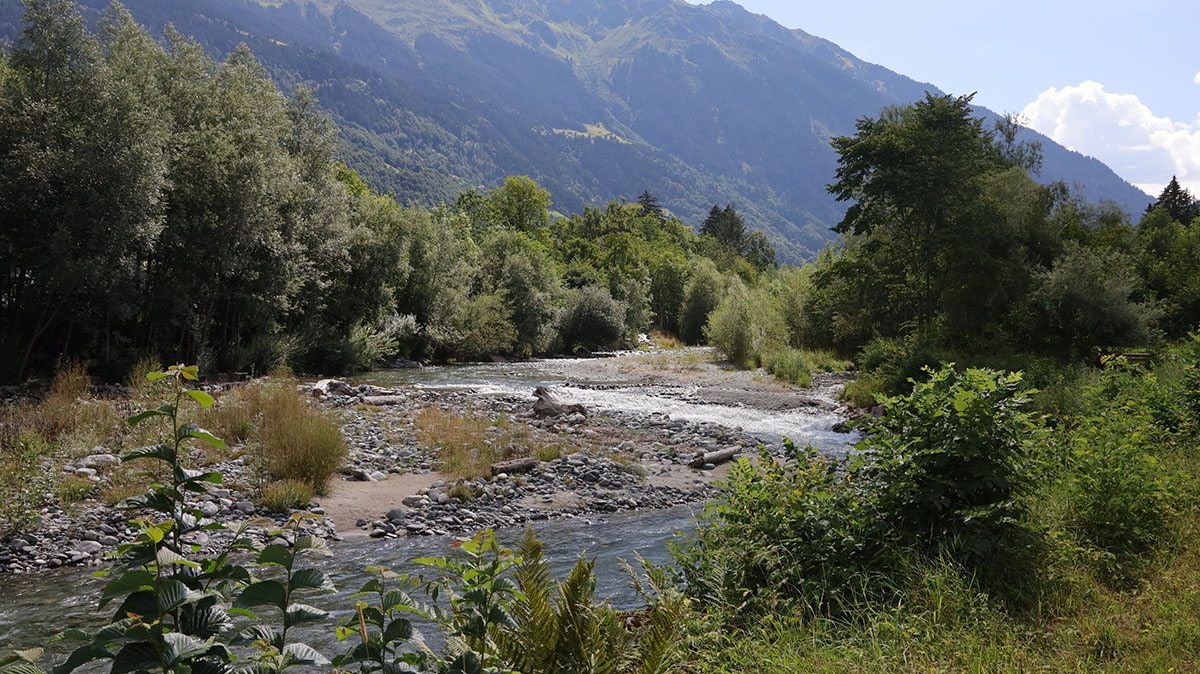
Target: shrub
590, 317
1120, 501
73, 489
702, 293
25, 483
286, 495
1086, 300
790, 366
805, 532
464, 448
745, 325
950, 461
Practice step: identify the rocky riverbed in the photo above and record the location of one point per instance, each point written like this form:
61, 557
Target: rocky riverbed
649, 416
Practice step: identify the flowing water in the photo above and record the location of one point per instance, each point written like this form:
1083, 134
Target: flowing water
32, 608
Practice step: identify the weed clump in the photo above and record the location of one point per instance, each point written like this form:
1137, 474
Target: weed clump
285, 495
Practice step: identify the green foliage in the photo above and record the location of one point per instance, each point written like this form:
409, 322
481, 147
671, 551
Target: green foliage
173, 607
25, 483
285, 495
803, 535
701, 295
590, 317
745, 326
952, 460
1088, 300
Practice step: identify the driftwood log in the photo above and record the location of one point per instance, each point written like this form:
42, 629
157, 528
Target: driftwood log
715, 458
514, 466
547, 405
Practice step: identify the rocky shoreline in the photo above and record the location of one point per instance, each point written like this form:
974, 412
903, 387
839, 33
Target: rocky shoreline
607, 461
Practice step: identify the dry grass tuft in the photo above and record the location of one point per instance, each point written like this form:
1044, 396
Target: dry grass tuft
468, 444
286, 495
292, 438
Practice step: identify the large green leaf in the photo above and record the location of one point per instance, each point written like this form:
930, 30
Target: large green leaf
164, 411
399, 630
183, 647
128, 583
139, 657
172, 594
264, 592
164, 452
311, 579
258, 632
276, 555
191, 430
303, 654
206, 401
299, 614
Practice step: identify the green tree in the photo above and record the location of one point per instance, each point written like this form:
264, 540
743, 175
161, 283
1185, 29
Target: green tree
520, 204
650, 205
1177, 202
727, 226
915, 175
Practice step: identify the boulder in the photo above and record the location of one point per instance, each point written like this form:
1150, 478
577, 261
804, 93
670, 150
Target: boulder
332, 387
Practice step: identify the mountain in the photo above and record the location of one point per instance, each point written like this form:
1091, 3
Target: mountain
592, 98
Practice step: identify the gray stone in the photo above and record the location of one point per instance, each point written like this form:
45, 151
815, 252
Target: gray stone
377, 533
109, 540
245, 506
89, 547
396, 514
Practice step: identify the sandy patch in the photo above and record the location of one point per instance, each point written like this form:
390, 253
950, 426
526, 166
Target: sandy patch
348, 501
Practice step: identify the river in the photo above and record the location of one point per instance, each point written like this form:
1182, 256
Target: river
33, 607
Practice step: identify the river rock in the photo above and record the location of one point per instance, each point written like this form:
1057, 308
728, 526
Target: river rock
332, 387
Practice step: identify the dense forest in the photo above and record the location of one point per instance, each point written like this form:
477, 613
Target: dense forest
158, 202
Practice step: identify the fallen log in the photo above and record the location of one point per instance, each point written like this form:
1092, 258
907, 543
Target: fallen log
715, 458
547, 405
514, 466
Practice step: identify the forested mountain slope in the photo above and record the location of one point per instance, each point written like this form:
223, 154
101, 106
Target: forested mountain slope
697, 104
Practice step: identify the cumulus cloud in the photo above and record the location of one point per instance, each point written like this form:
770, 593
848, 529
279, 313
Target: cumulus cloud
1119, 130
1196, 79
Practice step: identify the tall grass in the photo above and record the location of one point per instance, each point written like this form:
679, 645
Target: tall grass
289, 437
469, 444
795, 366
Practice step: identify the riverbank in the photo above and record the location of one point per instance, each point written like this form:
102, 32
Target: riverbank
607, 461
649, 415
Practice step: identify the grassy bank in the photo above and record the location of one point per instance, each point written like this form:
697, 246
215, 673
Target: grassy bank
1086, 559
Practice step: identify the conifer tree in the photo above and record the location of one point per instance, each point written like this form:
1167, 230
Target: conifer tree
1178, 202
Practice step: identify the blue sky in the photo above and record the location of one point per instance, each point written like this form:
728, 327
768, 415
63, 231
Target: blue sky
1116, 80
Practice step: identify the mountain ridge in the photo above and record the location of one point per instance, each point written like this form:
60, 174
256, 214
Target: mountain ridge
700, 104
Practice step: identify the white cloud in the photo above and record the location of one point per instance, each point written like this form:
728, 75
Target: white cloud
1119, 130
1196, 79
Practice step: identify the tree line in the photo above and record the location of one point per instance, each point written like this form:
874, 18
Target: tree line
949, 248
155, 201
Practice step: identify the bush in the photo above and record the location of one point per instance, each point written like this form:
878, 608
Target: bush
803, 532
790, 366
1119, 498
590, 317
1087, 300
746, 325
285, 495
25, 483
701, 294
796, 366
951, 461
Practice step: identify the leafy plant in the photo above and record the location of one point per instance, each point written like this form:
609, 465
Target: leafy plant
172, 606
951, 459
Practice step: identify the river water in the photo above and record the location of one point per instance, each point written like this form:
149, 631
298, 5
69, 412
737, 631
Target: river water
32, 608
